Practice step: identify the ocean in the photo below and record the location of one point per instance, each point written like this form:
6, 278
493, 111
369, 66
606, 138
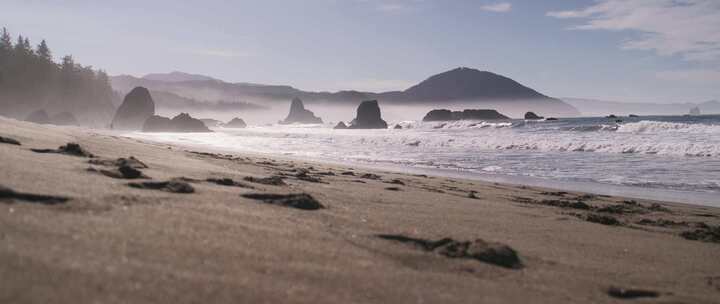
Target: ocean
672, 158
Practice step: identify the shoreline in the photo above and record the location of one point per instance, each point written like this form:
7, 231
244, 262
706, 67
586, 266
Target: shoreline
195, 226
697, 198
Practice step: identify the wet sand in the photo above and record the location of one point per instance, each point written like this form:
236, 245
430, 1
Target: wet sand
88, 223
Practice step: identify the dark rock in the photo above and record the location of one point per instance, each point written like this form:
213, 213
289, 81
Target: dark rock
64, 119
340, 125
414, 143
272, 180
531, 115
305, 176
180, 123
488, 252
611, 116
68, 149
473, 195
38, 117
622, 293
392, 188
236, 123
10, 141
136, 108
633, 116
302, 201
9, 196
298, 114
157, 124
551, 119
348, 173
368, 116
174, 186
468, 114
661, 223
397, 127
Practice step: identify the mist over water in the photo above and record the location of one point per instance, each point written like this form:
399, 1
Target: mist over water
648, 153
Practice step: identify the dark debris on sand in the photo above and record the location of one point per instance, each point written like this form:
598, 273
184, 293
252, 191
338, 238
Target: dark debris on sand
396, 182
704, 233
623, 293
393, 188
348, 173
8, 140
173, 186
304, 175
481, 250
370, 176
124, 172
9, 196
130, 162
274, 180
228, 182
73, 149
302, 201
601, 219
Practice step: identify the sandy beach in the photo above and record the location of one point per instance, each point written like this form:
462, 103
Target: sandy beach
169, 225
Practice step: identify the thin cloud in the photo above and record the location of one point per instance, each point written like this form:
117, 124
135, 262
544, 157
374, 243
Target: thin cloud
501, 7
687, 28
699, 76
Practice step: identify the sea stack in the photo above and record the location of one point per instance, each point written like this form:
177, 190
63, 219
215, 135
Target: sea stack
298, 114
136, 108
236, 123
468, 114
531, 115
38, 117
340, 125
368, 116
181, 123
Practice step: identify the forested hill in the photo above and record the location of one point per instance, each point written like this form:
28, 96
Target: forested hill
30, 80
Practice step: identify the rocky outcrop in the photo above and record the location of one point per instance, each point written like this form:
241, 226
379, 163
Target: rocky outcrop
368, 116
38, 117
181, 123
340, 125
64, 119
298, 114
468, 114
157, 124
236, 123
531, 115
136, 108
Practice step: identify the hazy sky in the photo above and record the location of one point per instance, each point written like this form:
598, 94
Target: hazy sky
631, 50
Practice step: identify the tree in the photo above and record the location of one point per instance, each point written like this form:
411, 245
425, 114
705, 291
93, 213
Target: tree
5, 42
43, 51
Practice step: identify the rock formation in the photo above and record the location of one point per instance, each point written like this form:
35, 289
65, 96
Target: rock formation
298, 114
38, 117
181, 123
136, 108
531, 115
236, 123
340, 125
368, 116
468, 114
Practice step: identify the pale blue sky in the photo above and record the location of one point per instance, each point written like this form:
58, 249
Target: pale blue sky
627, 50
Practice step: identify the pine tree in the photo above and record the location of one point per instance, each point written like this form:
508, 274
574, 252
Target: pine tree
43, 51
5, 42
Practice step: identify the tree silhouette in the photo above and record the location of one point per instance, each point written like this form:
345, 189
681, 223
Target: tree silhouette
30, 80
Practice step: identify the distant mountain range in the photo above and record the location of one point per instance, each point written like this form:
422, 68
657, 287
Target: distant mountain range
458, 86
593, 107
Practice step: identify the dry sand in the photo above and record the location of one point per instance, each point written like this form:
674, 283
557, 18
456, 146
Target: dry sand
70, 233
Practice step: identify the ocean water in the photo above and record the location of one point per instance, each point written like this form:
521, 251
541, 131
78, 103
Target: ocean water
674, 158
